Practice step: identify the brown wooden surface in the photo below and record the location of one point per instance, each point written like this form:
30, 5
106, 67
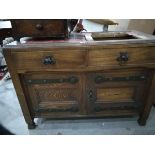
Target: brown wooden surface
54, 95
115, 94
19, 89
108, 57
64, 59
84, 60
148, 100
39, 28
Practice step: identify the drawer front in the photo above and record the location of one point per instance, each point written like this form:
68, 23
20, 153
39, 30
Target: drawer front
122, 57
53, 94
39, 28
54, 59
115, 90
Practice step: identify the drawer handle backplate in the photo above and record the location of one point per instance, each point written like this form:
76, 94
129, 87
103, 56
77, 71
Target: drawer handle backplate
39, 27
49, 60
123, 58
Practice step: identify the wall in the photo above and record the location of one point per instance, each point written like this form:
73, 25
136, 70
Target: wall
93, 27
122, 25
5, 24
144, 25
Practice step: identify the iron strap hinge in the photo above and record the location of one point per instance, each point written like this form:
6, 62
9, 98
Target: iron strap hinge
100, 79
71, 80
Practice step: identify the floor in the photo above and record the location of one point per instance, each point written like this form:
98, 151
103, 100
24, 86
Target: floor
11, 117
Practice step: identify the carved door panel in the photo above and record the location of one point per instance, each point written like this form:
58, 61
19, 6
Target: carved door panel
115, 91
54, 94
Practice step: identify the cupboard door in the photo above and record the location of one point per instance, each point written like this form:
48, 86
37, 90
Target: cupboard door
115, 91
54, 94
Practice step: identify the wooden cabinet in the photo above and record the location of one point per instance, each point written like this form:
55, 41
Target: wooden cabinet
83, 78
4, 33
56, 28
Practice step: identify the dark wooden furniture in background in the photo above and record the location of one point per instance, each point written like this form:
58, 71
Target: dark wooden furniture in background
4, 33
72, 23
92, 75
56, 28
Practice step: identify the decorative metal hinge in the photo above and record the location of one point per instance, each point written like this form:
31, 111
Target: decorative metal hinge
71, 109
101, 79
91, 97
98, 108
123, 58
71, 80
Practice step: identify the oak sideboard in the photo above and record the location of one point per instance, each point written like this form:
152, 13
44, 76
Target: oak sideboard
87, 75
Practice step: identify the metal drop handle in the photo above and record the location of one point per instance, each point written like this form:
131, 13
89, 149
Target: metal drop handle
123, 58
39, 27
49, 60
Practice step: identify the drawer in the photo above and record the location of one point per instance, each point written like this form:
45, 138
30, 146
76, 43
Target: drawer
39, 28
53, 94
47, 60
122, 57
115, 90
